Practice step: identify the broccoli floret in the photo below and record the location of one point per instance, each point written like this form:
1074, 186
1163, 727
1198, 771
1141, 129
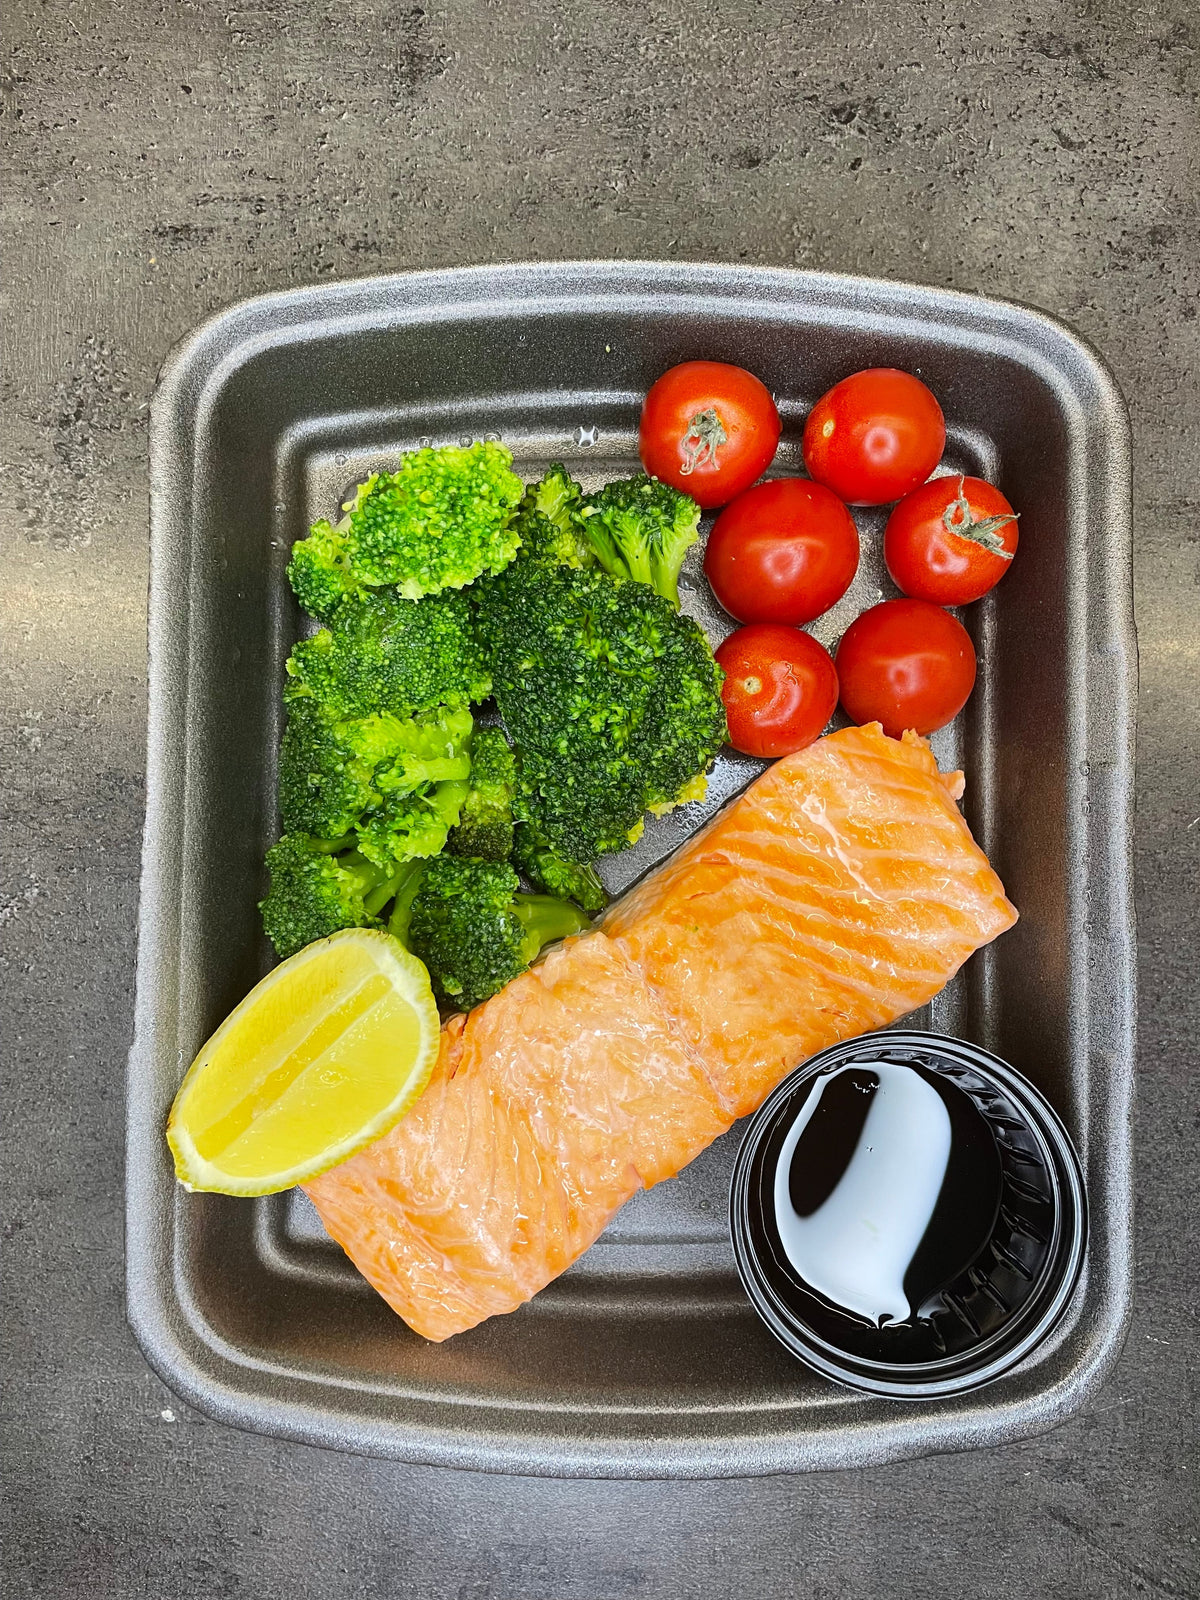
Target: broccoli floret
320, 571
684, 724
411, 825
423, 791
485, 827
550, 521
384, 653
319, 886
641, 528
475, 932
440, 520
547, 869
336, 774
327, 769
610, 696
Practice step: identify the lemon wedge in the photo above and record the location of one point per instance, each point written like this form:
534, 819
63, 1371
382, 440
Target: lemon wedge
321, 1058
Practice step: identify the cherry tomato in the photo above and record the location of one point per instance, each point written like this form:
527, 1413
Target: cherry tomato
780, 688
906, 664
874, 436
709, 429
784, 551
950, 541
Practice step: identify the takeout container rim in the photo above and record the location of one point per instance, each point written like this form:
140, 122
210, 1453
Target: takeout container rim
622, 278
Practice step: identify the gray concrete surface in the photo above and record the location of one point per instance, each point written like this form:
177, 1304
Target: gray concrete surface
164, 159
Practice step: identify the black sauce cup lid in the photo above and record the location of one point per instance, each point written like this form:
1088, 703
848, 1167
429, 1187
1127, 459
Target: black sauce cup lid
996, 1307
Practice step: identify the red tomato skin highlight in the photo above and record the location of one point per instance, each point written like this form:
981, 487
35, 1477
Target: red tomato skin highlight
783, 551
748, 417
780, 690
905, 664
928, 561
874, 436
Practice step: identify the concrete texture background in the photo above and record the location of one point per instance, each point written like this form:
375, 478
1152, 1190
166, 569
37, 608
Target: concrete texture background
165, 159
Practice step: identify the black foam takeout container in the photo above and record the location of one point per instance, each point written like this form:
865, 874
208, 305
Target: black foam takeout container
645, 1359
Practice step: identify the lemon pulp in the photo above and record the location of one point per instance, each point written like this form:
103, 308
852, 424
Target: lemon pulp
321, 1058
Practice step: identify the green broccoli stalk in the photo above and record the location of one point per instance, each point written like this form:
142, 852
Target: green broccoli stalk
318, 886
545, 918
485, 826
475, 932
384, 653
641, 528
406, 892
547, 869
439, 521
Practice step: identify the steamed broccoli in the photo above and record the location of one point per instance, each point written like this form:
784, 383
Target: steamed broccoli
335, 772
320, 569
550, 521
611, 698
327, 769
384, 653
485, 826
319, 886
411, 823
641, 528
547, 869
437, 522
475, 932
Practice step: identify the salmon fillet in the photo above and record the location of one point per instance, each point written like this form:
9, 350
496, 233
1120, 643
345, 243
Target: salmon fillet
839, 892
551, 1105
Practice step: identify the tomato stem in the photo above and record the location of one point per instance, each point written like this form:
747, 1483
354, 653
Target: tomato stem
958, 518
700, 443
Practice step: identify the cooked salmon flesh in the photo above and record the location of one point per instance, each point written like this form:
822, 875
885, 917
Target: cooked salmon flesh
842, 890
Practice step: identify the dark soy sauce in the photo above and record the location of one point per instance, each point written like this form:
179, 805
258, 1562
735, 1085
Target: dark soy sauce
908, 1215
886, 1188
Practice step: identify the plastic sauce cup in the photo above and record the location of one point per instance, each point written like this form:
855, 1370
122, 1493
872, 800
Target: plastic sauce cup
908, 1215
